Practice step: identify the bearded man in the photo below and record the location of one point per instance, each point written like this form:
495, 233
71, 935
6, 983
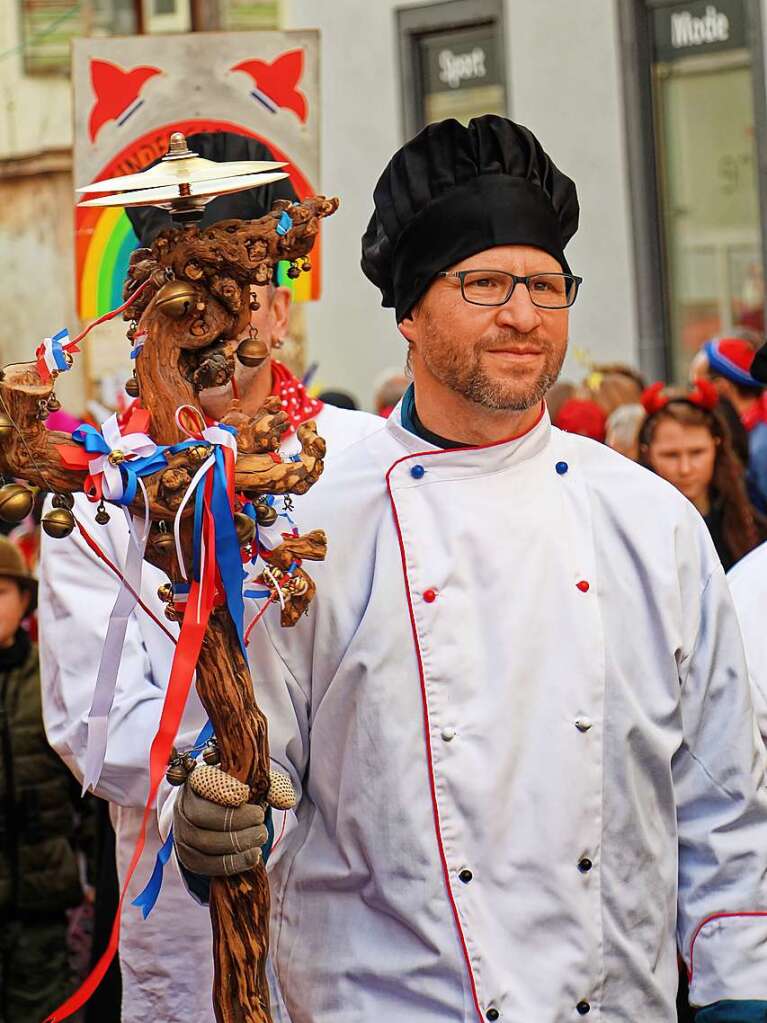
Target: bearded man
517, 714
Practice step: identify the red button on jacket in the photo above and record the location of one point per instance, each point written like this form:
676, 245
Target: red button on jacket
429, 596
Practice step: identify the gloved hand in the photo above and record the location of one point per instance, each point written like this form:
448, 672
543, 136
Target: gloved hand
216, 831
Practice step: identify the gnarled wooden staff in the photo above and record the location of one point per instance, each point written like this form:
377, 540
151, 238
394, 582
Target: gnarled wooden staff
193, 310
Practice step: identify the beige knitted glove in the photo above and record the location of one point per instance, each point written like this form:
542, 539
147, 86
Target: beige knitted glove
216, 831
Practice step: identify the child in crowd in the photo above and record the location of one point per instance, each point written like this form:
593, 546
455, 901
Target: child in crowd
39, 877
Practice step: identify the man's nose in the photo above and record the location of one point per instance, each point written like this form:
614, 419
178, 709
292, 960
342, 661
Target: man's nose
684, 465
519, 312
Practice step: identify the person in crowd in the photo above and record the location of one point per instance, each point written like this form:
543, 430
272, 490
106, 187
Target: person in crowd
338, 399
748, 585
614, 384
39, 876
388, 390
158, 985
582, 416
685, 440
518, 717
622, 429
727, 361
557, 395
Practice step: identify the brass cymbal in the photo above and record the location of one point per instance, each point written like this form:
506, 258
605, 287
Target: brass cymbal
193, 196
193, 169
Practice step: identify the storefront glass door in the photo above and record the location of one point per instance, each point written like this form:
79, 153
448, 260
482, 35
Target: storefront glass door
708, 184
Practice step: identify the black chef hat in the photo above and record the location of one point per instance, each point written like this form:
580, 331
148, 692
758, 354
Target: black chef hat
222, 146
455, 190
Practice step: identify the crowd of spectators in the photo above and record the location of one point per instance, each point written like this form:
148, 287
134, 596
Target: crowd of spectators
708, 438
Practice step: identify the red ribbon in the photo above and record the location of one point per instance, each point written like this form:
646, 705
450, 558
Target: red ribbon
198, 609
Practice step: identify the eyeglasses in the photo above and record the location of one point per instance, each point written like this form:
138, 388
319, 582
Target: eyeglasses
495, 287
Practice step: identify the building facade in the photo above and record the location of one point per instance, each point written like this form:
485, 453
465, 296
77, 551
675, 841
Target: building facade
656, 109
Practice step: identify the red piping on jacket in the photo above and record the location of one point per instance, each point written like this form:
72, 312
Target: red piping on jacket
427, 732
718, 916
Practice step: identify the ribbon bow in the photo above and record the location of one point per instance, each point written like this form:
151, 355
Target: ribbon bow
52, 355
115, 459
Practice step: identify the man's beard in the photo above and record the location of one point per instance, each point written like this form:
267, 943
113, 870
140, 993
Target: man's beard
462, 371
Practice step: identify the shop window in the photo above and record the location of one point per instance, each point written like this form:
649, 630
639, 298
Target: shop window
453, 62
48, 26
706, 160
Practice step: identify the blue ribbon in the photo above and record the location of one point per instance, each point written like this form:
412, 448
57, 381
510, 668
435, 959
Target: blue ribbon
228, 548
284, 224
59, 356
147, 898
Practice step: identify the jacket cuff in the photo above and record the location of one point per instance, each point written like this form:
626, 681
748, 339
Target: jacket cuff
733, 1012
728, 960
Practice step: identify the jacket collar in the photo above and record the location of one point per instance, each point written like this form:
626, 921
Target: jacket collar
459, 461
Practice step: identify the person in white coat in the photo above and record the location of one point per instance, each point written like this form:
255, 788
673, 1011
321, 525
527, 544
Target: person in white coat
517, 714
77, 592
748, 585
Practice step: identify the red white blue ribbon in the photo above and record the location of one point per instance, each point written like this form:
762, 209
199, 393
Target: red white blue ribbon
51, 355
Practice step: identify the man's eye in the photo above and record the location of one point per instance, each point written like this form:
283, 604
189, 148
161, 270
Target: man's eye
484, 282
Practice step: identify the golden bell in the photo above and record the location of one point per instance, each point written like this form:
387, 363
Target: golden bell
172, 613
163, 540
252, 351
176, 773
165, 592
54, 405
58, 523
211, 754
265, 514
131, 387
65, 500
15, 502
176, 299
6, 427
245, 527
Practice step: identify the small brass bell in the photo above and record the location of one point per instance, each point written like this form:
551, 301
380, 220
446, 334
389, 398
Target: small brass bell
177, 772
58, 523
54, 405
15, 502
245, 527
131, 387
102, 515
210, 753
175, 299
6, 427
252, 351
171, 613
163, 540
63, 501
165, 592
266, 514
293, 271
189, 762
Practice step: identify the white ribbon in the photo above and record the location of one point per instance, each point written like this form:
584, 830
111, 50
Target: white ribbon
131, 445
109, 666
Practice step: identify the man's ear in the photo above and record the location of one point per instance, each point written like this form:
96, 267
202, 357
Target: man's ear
407, 327
279, 311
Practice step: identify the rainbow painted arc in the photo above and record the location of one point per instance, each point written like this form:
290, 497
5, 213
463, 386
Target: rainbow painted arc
105, 238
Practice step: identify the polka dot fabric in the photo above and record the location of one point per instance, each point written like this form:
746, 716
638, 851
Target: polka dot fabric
297, 403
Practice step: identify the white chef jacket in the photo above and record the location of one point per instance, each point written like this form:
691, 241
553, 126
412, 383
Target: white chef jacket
166, 960
519, 714
748, 584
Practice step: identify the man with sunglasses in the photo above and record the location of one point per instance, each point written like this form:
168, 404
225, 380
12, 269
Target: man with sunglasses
517, 714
